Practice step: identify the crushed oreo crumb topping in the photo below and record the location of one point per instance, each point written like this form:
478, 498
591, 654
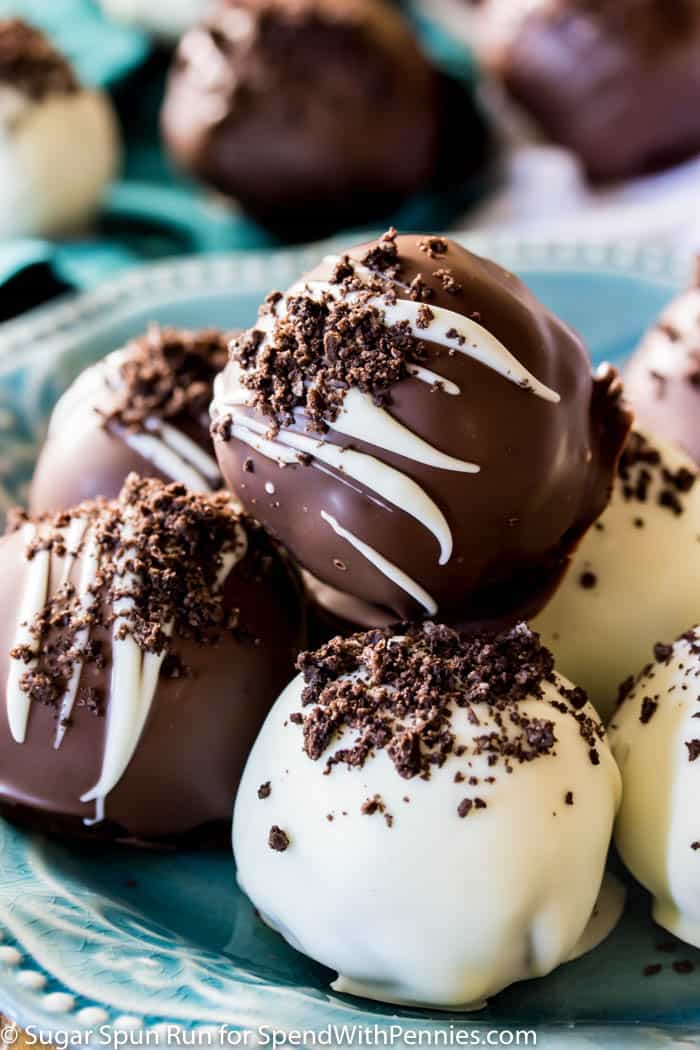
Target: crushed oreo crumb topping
265, 790
278, 840
305, 357
168, 373
170, 544
642, 470
398, 693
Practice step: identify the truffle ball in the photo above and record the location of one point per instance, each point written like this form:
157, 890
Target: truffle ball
636, 575
167, 21
304, 110
144, 408
142, 644
662, 380
429, 815
655, 739
616, 82
419, 431
60, 143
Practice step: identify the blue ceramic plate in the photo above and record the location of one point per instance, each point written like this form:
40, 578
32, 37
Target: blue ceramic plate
136, 941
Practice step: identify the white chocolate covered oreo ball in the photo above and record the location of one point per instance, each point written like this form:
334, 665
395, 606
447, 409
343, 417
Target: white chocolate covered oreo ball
59, 143
166, 20
635, 577
429, 814
655, 737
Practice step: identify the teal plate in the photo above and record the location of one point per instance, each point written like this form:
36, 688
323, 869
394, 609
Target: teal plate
138, 941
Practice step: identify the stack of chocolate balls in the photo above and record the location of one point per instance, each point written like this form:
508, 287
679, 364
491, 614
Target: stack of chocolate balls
414, 431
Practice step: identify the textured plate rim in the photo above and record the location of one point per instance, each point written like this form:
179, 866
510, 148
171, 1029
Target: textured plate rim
53, 328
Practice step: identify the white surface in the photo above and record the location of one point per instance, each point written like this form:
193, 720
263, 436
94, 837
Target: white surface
436, 909
56, 157
658, 821
647, 589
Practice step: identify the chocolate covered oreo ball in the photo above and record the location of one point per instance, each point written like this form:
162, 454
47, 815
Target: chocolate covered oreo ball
613, 80
655, 739
635, 577
144, 408
142, 643
310, 113
59, 141
662, 380
166, 21
430, 816
419, 431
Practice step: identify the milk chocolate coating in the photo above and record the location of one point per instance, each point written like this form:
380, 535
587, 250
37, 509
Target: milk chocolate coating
85, 453
616, 82
185, 770
662, 379
309, 113
545, 469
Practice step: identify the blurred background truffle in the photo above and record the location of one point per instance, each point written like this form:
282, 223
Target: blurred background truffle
613, 80
304, 110
59, 141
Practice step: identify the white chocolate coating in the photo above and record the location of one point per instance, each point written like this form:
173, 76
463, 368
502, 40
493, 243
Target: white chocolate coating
167, 19
659, 820
647, 588
57, 155
435, 910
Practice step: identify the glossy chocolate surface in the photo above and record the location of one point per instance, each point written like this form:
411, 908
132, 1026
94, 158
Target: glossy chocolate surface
545, 469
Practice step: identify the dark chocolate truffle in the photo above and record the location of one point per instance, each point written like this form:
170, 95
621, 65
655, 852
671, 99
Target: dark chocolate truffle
144, 408
616, 81
304, 110
663, 377
419, 431
142, 642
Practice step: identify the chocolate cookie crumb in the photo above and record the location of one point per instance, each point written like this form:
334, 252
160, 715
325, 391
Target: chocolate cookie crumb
265, 790
278, 840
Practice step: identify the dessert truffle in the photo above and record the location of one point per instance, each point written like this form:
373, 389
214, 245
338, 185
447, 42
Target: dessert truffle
655, 739
144, 408
616, 82
419, 431
143, 641
662, 379
60, 143
429, 815
304, 111
166, 21
635, 577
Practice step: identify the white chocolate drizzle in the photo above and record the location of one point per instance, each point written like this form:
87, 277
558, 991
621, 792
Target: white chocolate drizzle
386, 567
135, 673
32, 602
86, 599
173, 453
391, 485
